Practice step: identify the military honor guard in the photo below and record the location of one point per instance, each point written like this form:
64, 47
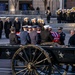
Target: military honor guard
34, 35
17, 24
25, 21
62, 35
24, 36
66, 15
48, 15
33, 22
59, 16
13, 37
1, 28
7, 26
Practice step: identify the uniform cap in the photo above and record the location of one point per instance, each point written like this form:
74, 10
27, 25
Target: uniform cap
12, 28
60, 28
35, 26
38, 26
50, 27
46, 26
26, 26
29, 26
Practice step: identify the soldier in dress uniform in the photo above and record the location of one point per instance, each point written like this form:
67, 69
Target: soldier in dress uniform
59, 15
64, 16
34, 35
40, 22
68, 18
7, 26
17, 24
24, 36
48, 13
46, 36
72, 18
33, 21
39, 36
25, 21
62, 35
13, 37
29, 29
1, 27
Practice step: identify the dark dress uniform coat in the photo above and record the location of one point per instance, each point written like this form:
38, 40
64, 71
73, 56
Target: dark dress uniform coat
13, 39
17, 25
62, 38
59, 16
72, 40
46, 36
48, 15
7, 26
25, 23
34, 37
1, 28
25, 38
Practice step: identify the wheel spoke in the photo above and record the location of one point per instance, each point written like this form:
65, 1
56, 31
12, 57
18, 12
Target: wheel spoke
20, 71
20, 66
22, 57
30, 53
26, 55
36, 73
25, 72
42, 70
34, 55
40, 61
37, 57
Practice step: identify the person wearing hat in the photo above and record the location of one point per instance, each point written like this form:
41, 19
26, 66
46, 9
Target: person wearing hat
34, 35
26, 27
59, 15
29, 29
39, 36
62, 35
7, 26
24, 36
17, 24
46, 36
13, 37
48, 13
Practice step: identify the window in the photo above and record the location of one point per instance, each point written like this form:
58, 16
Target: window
3, 5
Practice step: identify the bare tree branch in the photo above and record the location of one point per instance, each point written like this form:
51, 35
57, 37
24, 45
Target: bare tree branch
14, 3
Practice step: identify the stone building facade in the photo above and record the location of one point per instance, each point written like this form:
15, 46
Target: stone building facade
21, 5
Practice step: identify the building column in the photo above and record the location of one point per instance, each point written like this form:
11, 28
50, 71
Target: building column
61, 4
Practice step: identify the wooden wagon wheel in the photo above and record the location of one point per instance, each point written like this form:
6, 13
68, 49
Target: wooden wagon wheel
31, 60
52, 44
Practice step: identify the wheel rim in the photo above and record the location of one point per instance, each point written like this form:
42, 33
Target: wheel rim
31, 60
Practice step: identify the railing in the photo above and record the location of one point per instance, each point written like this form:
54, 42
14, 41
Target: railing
26, 12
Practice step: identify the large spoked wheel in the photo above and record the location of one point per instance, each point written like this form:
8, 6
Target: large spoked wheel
52, 44
31, 60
